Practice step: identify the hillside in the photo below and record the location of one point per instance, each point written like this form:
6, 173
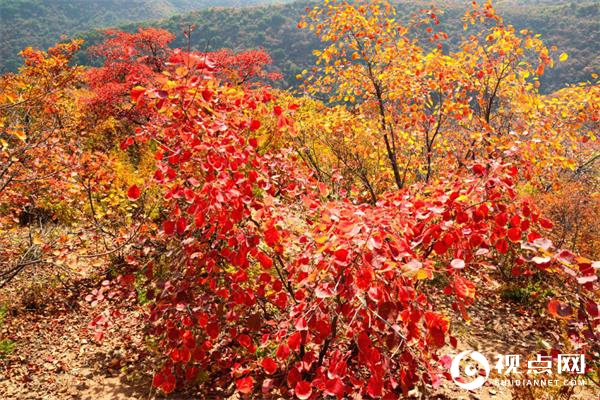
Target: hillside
274, 28
41, 23
573, 28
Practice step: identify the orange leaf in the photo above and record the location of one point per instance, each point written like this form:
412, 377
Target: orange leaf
559, 309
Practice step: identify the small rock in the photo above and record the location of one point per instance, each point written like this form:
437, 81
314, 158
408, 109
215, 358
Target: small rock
492, 392
49, 366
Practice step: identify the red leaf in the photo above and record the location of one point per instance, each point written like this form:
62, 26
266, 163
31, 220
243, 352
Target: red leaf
303, 390
375, 387
295, 340
446, 361
245, 341
376, 294
515, 221
545, 223
245, 385
335, 387
440, 247
592, 309
158, 379
265, 260
254, 125
341, 254
540, 69
272, 236
188, 336
453, 341
169, 227
448, 239
502, 246
501, 219
269, 365
164, 380
191, 373
137, 92
300, 324
464, 288
184, 354
169, 384
293, 377
159, 176
283, 352
134, 193
364, 343
437, 326
479, 169
181, 225
514, 234
207, 95
532, 236
126, 143
364, 277
475, 240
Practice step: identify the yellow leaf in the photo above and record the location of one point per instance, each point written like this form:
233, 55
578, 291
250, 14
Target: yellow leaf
322, 239
423, 274
563, 57
19, 134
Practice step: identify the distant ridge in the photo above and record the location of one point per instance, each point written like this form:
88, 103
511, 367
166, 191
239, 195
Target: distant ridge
573, 27
41, 23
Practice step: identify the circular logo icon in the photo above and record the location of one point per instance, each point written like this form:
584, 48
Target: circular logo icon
470, 370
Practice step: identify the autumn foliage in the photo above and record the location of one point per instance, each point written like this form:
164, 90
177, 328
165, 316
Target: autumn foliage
285, 243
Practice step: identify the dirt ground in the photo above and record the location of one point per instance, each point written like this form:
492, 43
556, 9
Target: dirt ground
55, 356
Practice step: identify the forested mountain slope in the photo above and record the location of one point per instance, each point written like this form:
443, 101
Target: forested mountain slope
572, 27
41, 23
